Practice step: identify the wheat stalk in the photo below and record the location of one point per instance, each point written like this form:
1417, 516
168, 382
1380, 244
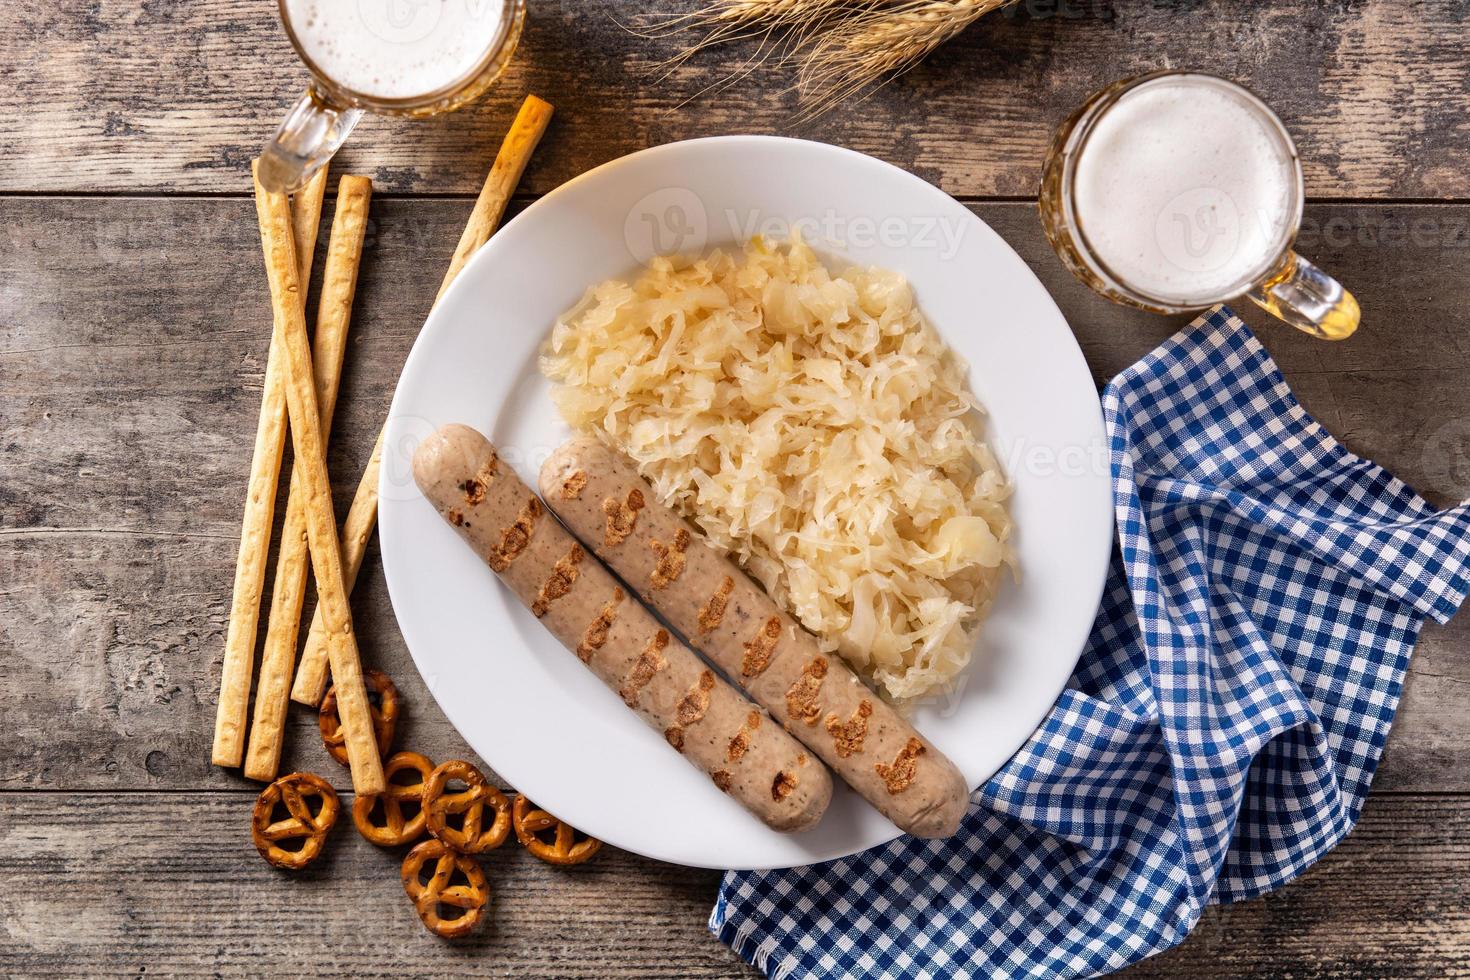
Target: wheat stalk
842, 46
726, 21
881, 44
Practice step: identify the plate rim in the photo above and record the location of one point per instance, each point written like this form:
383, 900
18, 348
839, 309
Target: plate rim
486, 253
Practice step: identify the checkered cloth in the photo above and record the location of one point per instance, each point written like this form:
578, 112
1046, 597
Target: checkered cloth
1220, 732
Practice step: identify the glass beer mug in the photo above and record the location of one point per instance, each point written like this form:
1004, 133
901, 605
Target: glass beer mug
397, 57
1174, 191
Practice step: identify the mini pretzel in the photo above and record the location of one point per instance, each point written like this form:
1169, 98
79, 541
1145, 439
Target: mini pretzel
429, 896
473, 837
311, 829
385, 716
564, 848
397, 829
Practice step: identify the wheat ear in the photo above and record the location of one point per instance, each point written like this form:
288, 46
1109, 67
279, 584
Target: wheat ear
880, 43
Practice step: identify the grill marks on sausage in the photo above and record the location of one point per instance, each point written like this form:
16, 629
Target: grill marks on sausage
740, 744
801, 698
782, 786
847, 736
713, 611
514, 539
692, 706
722, 779
899, 776
760, 647
650, 661
572, 486
474, 488
691, 709
670, 559
622, 517
596, 633
563, 574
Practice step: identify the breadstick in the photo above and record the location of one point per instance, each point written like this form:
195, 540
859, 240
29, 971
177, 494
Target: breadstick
334, 314
311, 468
306, 219
311, 674
515, 152
260, 511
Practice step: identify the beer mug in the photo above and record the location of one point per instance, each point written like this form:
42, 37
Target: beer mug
397, 57
1174, 191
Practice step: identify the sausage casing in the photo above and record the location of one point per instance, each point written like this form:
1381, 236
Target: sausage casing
701, 716
731, 619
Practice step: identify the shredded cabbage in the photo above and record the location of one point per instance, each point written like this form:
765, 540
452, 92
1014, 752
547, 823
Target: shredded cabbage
817, 428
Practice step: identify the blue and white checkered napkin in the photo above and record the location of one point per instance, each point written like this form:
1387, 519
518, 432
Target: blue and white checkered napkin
1221, 730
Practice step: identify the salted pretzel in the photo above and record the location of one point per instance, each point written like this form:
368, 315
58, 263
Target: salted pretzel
440, 889
385, 716
474, 835
396, 828
564, 848
301, 824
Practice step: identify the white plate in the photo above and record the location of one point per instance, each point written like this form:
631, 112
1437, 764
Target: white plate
524, 702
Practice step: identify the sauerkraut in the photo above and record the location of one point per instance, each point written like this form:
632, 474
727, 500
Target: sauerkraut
816, 427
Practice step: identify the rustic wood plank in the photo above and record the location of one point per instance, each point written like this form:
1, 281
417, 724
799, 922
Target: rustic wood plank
178, 96
133, 335
1390, 901
170, 883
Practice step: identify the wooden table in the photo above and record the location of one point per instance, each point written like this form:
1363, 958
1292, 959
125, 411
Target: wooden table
133, 334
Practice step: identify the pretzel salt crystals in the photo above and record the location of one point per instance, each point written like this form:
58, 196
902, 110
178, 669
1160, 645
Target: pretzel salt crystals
452, 899
567, 844
605, 627
472, 820
731, 620
401, 803
302, 824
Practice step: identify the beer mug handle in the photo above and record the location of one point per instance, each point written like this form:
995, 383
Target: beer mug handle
1308, 299
313, 130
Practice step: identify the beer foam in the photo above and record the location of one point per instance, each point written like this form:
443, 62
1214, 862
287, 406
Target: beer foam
396, 49
1186, 190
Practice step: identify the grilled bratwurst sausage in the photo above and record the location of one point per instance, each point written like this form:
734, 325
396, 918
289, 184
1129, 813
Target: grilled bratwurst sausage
732, 621
708, 721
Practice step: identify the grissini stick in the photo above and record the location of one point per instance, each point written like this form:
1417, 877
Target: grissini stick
702, 717
731, 620
260, 508
329, 345
311, 468
515, 152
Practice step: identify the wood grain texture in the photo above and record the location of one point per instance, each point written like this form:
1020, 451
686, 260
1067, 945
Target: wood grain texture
172, 95
125, 418
132, 350
126, 410
170, 884
1391, 900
